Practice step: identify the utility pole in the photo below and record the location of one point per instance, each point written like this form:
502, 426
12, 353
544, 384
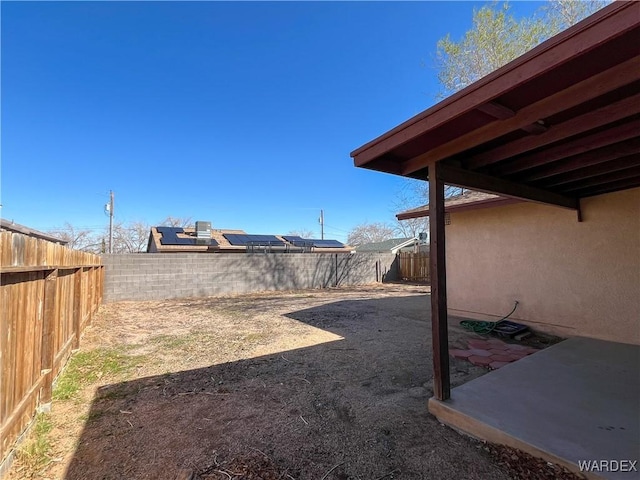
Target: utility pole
322, 224
110, 208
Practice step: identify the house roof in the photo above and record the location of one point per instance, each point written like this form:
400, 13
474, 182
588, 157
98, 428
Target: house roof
386, 246
469, 200
559, 123
31, 232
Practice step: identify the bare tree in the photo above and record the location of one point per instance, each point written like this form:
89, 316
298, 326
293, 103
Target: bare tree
415, 193
370, 233
78, 239
180, 222
411, 228
130, 237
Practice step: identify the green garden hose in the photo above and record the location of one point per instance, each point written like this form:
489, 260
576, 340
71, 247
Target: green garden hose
482, 327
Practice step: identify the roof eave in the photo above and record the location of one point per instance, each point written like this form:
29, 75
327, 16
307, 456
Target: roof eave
488, 203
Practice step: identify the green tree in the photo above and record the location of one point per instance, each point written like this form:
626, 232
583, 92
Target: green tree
497, 37
561, 14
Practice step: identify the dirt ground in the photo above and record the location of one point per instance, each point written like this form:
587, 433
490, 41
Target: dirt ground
321, 384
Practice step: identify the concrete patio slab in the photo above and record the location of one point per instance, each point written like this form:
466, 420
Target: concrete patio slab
576, 401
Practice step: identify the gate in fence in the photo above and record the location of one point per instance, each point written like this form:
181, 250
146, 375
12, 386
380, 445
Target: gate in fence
414, 267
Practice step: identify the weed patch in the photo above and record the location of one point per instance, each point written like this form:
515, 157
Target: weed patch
34, 454
85, 368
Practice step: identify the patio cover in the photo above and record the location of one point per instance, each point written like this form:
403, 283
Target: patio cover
557, 124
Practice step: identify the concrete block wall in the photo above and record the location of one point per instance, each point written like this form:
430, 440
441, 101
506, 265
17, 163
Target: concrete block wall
156, 276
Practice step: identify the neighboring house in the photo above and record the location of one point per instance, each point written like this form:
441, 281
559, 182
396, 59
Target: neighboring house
393, 245
17, 228
208, 240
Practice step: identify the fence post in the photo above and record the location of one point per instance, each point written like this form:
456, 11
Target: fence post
101, 289
49, 321
77, 307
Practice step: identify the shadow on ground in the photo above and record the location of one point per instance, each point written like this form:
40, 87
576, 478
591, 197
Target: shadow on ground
357, 404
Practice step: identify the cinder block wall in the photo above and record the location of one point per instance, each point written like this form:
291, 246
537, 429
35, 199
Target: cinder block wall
155, 276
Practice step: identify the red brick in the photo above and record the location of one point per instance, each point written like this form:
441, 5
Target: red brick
460, 353
480, 361
480, 353
479, 344
498, 351
496, 341
517, 347
496, 365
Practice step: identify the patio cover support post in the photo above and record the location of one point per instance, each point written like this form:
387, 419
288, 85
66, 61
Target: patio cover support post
440, 337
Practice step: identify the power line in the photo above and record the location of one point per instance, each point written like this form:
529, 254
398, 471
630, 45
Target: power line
336, 228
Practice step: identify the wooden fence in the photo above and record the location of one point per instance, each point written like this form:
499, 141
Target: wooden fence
48, 295
414, 267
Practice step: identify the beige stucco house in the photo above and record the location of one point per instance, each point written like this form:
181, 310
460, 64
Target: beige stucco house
569, 277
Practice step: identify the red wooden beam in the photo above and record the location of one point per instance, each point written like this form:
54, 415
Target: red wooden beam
438, 273
500, 112
496, 110
485, 183
594, 157
577, 146
593, 87
593, 171
536, 128
388, 165
589, 121
610, 187
603, 179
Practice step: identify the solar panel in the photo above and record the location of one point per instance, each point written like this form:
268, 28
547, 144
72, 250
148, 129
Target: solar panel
170, 237
326, 243
235, 238
243, 239
293, 238
169, 230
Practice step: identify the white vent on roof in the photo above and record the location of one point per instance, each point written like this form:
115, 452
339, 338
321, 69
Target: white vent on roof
203, 229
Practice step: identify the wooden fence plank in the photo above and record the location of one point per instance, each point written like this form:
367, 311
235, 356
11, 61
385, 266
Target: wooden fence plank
48, 333
77, 307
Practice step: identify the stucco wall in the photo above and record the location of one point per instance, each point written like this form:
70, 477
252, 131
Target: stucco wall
155, 276
570, 278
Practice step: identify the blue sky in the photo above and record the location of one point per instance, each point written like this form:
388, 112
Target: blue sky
240, 113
